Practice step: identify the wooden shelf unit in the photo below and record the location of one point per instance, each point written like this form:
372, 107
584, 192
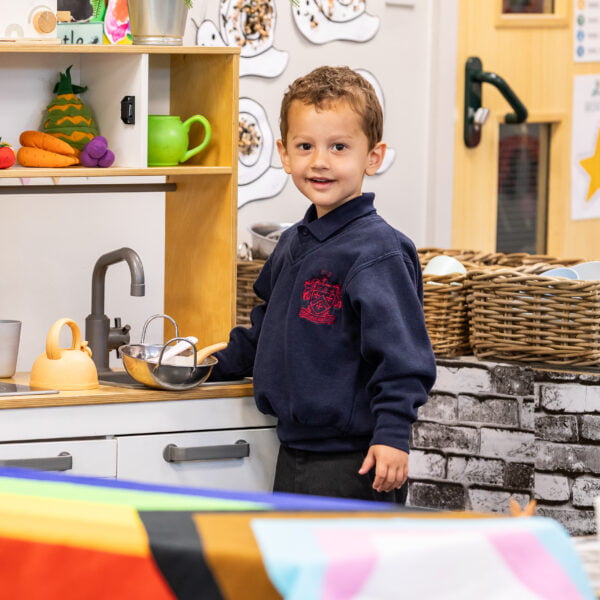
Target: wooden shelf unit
78, 171
201, 214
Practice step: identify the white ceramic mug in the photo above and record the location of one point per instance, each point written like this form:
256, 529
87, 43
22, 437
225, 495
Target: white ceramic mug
561, 272
10, 334
443, 265
588, 270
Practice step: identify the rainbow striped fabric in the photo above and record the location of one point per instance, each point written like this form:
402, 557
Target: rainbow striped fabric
78, 538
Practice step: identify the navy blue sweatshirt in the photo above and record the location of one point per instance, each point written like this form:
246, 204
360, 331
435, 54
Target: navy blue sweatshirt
339, 351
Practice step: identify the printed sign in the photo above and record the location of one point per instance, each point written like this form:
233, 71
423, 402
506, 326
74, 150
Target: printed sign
586, 29
585, 148
80, 33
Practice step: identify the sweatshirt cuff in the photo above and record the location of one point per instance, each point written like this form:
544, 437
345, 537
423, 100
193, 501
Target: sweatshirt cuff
396, 436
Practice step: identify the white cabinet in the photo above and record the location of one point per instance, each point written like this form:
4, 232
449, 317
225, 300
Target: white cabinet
202, 459
127, 440
97, 458
199, 259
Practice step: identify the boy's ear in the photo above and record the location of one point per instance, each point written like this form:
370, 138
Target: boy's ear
283, 155
375, 158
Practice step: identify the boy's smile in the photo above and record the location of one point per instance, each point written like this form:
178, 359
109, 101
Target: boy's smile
327, 153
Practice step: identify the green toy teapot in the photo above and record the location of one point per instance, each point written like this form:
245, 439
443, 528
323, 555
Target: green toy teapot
168, 139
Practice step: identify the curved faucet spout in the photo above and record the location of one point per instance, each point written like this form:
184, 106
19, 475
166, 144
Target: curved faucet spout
136, 269
100, 337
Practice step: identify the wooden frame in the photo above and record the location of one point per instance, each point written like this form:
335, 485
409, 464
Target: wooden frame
559, 18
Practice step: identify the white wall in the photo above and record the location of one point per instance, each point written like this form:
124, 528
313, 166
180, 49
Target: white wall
443, 114
49, 244
399, 56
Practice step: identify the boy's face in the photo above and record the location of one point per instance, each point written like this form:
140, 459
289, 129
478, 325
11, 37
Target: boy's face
327, 153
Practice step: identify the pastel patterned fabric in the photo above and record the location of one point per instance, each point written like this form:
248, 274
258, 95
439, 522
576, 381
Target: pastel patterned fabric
433, 559
83, 538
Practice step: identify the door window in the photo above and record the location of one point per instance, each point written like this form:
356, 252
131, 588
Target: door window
522, 188
528, 6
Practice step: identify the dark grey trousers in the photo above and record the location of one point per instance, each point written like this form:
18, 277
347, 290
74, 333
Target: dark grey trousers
329, 474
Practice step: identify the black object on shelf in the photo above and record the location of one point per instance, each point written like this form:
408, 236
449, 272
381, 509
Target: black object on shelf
128, 110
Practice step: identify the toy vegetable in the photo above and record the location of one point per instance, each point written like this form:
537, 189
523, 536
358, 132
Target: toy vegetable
40, 149
7, 155
97, 154
67, 117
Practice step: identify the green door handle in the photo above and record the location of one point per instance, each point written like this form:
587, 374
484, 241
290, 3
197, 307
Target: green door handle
474, 77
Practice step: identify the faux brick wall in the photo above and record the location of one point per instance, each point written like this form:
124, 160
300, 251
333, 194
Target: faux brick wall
493, 431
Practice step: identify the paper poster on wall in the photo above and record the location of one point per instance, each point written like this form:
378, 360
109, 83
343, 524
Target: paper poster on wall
585, 148
322, 21
257, 178
586, 30
251, 27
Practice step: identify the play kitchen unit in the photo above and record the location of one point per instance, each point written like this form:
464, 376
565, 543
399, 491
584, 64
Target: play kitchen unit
200, 434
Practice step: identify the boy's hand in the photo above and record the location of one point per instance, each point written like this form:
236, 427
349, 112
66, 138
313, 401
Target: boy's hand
391, 467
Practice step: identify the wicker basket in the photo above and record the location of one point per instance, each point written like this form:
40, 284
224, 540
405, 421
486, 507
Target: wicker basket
446, 315
445, 300
474, 257
447, 312
522, 259
247, 272
515, 315
480, 258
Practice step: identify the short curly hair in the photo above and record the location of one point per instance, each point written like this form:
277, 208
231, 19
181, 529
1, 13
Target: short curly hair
326, 85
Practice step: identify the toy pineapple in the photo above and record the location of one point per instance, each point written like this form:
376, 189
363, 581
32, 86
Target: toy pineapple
67, 117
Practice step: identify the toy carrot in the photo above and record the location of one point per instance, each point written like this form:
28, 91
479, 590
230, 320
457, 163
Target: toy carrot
45, 141
36, 157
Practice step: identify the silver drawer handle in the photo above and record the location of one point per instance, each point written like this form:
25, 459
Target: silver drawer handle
173, 453
62, 462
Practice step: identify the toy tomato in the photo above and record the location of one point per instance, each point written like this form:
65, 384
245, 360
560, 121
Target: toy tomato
7, 155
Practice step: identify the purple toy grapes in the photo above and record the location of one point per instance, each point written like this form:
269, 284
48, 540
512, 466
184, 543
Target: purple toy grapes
97, 147
86, 160
107, 159
96, 153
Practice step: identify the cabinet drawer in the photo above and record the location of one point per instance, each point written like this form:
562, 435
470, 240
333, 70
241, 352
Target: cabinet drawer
202, 459
97, 458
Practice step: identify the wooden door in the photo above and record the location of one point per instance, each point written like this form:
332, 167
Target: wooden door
533, 53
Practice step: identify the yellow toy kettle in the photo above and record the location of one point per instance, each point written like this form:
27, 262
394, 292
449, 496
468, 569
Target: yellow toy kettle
64, 368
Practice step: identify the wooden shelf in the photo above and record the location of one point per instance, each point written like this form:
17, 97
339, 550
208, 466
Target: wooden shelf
201, 210
29, 172
33, 48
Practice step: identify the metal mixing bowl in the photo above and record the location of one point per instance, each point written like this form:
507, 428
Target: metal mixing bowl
143, 362
265, 237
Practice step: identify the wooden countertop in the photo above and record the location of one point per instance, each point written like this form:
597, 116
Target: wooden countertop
105, 394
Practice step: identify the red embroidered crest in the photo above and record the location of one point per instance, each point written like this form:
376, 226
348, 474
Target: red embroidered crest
322, 297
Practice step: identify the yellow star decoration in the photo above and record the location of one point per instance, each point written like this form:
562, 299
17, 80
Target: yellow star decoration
592, 166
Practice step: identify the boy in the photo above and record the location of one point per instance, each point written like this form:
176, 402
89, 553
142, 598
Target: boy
339, 351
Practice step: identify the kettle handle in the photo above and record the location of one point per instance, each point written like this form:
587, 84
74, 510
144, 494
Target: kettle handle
53, 349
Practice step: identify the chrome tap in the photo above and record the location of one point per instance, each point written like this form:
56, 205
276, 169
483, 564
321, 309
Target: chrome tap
100, 336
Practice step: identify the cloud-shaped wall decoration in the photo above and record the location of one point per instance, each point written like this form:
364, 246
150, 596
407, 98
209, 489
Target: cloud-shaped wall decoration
322, 21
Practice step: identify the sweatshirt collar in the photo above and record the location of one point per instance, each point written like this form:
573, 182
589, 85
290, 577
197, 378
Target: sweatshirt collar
328, 224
